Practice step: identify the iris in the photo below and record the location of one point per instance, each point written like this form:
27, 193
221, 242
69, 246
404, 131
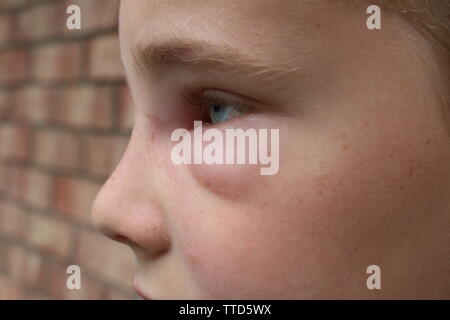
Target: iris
221, 112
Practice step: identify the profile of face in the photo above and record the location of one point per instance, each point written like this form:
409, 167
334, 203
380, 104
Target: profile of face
364, 153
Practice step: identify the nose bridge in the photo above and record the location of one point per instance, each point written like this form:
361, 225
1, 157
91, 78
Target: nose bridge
128, 207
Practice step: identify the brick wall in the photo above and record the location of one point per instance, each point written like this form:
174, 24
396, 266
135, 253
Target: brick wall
65, 120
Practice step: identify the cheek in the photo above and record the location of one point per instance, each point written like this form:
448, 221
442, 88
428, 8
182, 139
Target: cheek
336, 206
266, 249
251, 234
232, 257
275, 244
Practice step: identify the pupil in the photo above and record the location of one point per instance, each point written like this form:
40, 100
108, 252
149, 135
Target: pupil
216, 108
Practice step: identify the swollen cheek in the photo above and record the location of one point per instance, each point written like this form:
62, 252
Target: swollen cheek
229, 181
238, 181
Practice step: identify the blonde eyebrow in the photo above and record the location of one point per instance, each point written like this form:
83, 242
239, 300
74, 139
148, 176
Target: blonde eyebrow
206, 57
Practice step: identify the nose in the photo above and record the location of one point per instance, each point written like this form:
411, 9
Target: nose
127, 209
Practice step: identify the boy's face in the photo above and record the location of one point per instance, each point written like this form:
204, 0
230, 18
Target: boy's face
364, 151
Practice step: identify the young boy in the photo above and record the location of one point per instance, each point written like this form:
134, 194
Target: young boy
360, 204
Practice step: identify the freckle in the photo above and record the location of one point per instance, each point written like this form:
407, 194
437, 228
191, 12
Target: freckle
344, 135
410, 172
391, 155
320, 192
345, 147
402, 187
193, 260
428, 141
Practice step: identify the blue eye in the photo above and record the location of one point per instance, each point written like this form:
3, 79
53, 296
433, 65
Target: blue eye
220, 106
221, 112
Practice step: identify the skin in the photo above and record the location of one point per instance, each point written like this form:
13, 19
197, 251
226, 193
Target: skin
364, 158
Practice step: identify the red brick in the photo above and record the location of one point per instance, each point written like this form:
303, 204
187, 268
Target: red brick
104, 58
57, 149
49, 234
5, 22
5, 178
38, 188
126, 111
4, 251
15, 142
4, 107
41, 21
86, 106
33, 269
103, 153
25, 265
74, 197
12, 3
57, 62
110, 259
13, 65
12, 221
17, 182
7, 104
16, 261
36, 104
51, 276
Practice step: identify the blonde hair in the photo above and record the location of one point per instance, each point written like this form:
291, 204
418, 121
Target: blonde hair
430, 17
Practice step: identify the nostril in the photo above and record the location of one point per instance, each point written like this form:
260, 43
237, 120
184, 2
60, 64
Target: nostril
122, 239
153, 250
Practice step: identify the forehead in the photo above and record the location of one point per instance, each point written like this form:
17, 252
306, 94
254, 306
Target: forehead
250, 24
286, 14
254, 7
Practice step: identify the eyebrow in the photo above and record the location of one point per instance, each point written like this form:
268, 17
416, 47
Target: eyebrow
205, 56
